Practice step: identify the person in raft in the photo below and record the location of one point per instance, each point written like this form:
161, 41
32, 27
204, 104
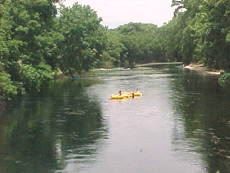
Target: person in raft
133, 95
120, 92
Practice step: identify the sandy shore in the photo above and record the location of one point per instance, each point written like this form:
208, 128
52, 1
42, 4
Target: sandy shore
202, 68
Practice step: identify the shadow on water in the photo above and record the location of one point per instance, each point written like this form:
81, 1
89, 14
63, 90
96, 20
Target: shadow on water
48, 132
202, 119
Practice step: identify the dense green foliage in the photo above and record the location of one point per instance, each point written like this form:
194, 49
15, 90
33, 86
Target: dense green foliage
37, 39
35, 42
200, 30
85, 39
135, 43
25, 27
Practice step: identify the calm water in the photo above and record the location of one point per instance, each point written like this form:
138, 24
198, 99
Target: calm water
180, 125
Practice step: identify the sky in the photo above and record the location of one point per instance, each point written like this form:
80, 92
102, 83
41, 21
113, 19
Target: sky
119, 12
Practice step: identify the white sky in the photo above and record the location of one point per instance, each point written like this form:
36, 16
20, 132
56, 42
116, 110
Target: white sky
119, 12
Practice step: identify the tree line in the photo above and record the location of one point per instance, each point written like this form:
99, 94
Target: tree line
41, 38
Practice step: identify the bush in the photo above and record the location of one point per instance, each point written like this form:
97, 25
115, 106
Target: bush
34, 77
224, 79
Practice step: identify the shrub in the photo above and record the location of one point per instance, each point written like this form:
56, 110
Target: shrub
224, 79
34, 77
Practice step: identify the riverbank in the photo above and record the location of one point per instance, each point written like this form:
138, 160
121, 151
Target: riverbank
203, 69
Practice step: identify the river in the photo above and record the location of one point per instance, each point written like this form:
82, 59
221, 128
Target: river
181, 124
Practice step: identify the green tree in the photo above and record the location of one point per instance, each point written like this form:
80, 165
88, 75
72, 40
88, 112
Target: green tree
115, 52
28, 39
84, 39
141, 44
204, 31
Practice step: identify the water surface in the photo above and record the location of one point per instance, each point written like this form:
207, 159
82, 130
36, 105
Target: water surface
181, 124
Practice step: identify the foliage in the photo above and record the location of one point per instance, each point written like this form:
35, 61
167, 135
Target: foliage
28, 22
204, 28
26, 34
35, 42
132, 28
34, 77
224, 79
85, 39
205, 32
137, 43
114, 52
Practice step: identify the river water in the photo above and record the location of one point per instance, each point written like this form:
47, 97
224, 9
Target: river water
181, 124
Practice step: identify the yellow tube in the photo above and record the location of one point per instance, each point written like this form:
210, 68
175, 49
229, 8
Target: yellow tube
126, 95
117, 97
138, 94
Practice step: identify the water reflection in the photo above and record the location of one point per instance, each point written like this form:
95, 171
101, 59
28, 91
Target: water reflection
48, 132
181, 124
201, 110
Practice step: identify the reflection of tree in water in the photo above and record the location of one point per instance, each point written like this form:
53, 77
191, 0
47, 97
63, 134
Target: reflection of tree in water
44, 131
203, 109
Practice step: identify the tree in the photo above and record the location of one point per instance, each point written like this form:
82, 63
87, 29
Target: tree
84, 39
141, 44
28, 42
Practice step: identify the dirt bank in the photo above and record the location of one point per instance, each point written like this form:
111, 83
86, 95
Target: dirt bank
203, 69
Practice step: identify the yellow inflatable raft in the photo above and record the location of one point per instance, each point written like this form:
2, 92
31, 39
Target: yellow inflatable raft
117, 97
126, 95
137, 94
